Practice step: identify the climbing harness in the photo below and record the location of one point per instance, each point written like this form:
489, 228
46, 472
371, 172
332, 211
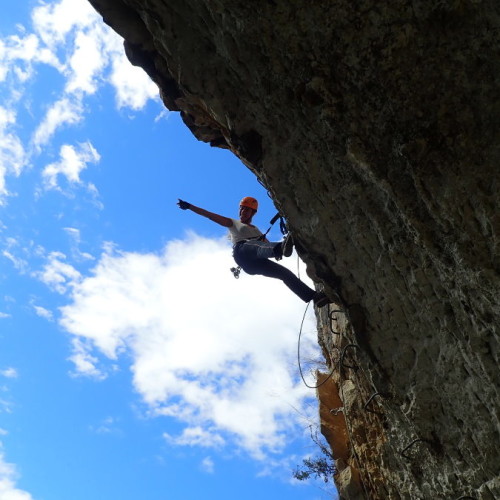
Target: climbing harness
284, 230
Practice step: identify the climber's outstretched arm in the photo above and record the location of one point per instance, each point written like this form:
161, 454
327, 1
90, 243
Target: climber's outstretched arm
219, 219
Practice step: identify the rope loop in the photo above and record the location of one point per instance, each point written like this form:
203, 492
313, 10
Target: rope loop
298, 357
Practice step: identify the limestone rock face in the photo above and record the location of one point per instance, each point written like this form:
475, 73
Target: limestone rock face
375, 126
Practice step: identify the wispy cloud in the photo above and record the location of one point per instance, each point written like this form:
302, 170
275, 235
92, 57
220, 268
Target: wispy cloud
6, 406
208, 465
20, 252
107, 426
9, 373
85, 364
19, 54
75, 238
65, 111
196, 436
12, 153
20, 264
43, 313
73, 160
57, 273
214, 352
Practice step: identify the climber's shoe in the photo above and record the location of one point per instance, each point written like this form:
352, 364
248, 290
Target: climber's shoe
320, 299
287, 245
284, 248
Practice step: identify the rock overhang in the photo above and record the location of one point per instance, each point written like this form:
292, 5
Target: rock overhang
376, 130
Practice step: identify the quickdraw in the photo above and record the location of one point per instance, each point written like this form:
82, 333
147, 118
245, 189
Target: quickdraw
236, 271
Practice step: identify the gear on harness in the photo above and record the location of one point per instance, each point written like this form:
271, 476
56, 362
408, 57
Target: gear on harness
284, 230
236, 271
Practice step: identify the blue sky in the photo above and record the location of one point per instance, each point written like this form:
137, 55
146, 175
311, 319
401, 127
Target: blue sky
132, 364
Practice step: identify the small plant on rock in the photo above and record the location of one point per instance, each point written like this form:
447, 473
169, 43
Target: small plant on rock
319, 467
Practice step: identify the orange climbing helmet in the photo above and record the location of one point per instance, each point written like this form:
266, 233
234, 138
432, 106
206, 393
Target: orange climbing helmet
249, 202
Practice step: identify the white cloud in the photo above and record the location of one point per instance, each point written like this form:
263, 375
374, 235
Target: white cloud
43, 313
65, 111
75, 238
85, 363
74, 235
9, 373
93, 46
18, 54
14, 49
207, 465
8, 477
86, 62
13, 249
69, 36
133, 86
196, 436
214, 352
54, 21
57, 274
12, 154
5, 406
20, 264
4, 315
107, 426
72, 162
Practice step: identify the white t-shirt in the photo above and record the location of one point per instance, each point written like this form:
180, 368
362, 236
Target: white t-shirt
239, 231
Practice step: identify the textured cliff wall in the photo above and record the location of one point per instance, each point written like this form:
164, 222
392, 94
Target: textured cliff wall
376, 129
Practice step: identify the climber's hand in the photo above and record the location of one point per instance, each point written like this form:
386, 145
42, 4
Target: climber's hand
183, 205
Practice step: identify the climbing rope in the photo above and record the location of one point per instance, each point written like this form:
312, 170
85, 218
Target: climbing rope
298, 356
344, 408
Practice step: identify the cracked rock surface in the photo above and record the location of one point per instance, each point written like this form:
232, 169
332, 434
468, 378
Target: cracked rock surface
375, 126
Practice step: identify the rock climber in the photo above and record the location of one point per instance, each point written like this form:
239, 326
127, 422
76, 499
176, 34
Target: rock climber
252, 250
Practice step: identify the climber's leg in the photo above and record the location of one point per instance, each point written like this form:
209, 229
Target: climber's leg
271, 269
256, 249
